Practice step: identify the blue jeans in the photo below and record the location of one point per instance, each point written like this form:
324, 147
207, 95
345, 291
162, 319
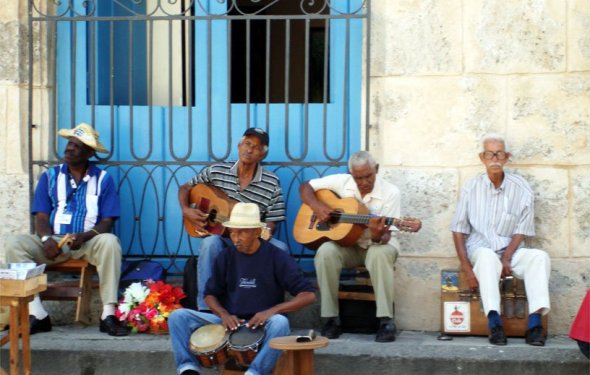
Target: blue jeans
183, 322
211, 246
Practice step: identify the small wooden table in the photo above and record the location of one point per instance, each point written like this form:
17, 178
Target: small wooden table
17, 294
298, 356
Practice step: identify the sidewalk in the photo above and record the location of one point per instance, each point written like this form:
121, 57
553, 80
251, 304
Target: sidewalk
70, 350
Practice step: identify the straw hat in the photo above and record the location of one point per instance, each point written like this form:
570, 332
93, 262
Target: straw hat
244, 215
85, 134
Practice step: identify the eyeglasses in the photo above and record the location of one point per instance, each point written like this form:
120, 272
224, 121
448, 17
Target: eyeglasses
500, 155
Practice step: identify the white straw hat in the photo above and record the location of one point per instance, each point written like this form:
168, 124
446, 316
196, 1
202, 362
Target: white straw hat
85, 134
244, 215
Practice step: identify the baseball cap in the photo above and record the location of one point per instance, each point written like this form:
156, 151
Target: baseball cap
261, 134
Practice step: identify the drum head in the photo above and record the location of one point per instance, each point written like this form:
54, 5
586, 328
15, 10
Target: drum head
244, 337
208, 338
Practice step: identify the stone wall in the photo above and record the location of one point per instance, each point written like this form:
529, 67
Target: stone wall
14, 180
443, 73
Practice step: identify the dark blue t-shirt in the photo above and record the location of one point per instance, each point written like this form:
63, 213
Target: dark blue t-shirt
249, 283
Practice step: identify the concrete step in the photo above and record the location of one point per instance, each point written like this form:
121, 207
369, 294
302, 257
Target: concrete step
75, 350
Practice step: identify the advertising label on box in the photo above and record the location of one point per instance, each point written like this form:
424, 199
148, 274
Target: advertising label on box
457, 316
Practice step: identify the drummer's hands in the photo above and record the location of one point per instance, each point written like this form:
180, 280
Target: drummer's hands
231, 322
259, 319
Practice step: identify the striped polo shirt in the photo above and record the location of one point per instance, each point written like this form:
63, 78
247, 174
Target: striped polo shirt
264, 189
490, 216
74, 208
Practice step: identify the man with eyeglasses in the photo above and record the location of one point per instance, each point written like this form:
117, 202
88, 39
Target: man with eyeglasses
494, 214
245, 180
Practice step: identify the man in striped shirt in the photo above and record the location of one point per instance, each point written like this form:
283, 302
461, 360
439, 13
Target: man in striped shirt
245, 181
78, 199
494, 214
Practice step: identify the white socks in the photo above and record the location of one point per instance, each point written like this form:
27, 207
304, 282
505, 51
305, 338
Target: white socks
107, 310
36, 308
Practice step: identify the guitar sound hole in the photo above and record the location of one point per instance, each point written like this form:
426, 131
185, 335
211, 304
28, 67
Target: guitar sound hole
212, 216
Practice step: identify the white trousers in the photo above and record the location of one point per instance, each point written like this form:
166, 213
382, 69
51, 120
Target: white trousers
531, 265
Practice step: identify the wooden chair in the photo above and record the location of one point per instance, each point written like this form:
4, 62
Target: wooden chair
68, 291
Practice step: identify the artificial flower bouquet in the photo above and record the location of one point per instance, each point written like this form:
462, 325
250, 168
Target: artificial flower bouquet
146, 308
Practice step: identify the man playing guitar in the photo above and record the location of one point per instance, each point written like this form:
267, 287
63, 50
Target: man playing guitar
244, 181
377, 248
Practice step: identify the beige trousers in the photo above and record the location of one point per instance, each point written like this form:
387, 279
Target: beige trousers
102, 251
329, 260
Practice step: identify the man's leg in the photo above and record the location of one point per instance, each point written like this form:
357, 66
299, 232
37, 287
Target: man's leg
329, 260
210, 247
104, 252
266, 359
379, 262
29, 248
488, 269
182, 323
534, 266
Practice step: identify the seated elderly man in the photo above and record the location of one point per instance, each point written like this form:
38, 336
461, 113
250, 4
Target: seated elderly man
247, 286
494, 214
78, 199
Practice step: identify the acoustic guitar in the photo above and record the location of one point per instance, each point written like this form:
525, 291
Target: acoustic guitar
214, 202
346, 225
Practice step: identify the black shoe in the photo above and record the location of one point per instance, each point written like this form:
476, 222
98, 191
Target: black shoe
497, 336
113, 327
39, 325
535, 337
331, 330
386, 332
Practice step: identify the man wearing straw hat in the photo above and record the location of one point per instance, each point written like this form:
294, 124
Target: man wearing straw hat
75, 205
247, 286
245, 181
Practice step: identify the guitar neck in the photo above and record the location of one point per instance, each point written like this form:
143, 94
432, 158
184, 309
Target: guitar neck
360, 219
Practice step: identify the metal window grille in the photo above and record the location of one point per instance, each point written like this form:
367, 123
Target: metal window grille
172, 84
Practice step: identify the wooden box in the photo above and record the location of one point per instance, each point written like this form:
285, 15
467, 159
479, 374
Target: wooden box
23, 288
462, 310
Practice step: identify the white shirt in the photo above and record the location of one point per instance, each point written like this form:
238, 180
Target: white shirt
490, 216
384, 200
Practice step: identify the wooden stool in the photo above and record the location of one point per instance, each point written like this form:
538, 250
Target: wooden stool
297, 357
17, 294
65, 291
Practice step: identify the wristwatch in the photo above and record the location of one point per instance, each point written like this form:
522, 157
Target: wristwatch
45, 238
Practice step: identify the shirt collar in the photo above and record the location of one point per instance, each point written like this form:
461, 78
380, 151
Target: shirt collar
257, 175
491, 184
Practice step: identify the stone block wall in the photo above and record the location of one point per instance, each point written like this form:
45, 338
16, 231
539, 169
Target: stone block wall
444, 73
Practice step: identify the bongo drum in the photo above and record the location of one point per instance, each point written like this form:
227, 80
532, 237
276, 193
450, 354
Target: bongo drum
209, 345
244, 344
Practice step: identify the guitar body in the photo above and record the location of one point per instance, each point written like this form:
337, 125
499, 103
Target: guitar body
310, 233
213, 201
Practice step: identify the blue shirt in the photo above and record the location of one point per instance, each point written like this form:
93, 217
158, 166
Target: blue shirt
72, 207
249, 283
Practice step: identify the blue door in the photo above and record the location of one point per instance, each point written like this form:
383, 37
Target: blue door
112, 64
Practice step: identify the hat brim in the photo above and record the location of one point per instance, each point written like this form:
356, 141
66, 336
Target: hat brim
229, 224
67, 133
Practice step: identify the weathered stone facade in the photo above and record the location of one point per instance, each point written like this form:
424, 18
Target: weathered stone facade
443, 73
